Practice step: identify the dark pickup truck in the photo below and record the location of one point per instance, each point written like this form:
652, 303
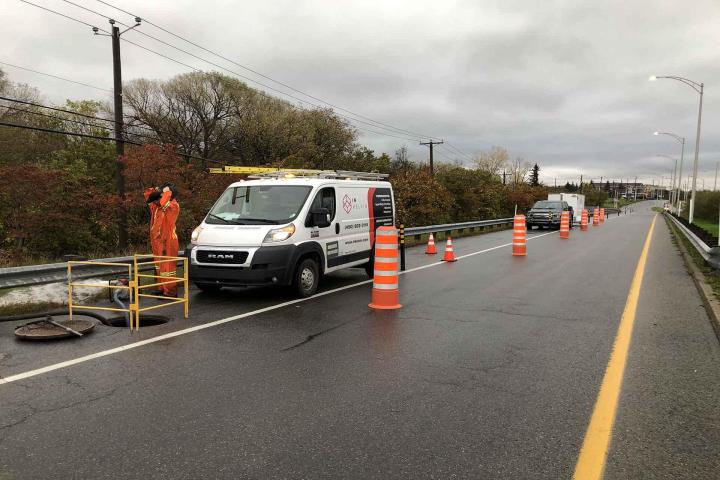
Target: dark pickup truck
546, 213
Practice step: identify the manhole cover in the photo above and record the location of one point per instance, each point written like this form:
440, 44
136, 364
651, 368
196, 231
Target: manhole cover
44, 330
145, 321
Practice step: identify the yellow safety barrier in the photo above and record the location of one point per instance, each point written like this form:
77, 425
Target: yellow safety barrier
71, 285
134, 287
159, 259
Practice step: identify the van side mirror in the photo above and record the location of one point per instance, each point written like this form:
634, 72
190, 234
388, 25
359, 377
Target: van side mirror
320, 218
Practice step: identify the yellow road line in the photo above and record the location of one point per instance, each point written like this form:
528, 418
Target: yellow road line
591, 462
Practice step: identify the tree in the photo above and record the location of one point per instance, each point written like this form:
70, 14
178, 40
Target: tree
401, 160
493, 161
519, 170
535, 176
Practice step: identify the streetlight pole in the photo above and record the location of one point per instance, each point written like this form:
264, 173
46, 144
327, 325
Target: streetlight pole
699, 88
680, 140
672, 179
717, 165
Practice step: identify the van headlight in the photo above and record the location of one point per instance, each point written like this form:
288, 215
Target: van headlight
280, 234
195, 234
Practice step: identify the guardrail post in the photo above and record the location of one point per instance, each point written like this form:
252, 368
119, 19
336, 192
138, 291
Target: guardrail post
402, 247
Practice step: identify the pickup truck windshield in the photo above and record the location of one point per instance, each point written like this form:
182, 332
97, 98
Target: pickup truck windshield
547, 204
258, 204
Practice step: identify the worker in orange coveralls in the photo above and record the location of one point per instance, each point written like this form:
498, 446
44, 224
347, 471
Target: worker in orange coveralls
164, 211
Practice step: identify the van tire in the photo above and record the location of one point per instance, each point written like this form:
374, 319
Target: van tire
307, 278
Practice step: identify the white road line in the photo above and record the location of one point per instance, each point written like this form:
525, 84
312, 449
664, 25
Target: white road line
185, 331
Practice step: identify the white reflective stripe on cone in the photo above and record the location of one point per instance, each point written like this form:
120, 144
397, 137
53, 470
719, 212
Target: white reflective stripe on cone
385, 260
518, 244
386, 273
386, 246
385, 286
386, 233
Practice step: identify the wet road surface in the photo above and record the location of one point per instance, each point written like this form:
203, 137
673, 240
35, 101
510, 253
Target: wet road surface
490, 370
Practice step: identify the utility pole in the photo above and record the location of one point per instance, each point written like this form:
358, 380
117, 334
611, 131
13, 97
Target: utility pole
431, 143
119, 141
716, 172
635, 189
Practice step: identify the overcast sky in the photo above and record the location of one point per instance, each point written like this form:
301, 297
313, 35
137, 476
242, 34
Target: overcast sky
561, 83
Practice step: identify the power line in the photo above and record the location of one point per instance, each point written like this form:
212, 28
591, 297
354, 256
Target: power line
245, 78
63, 132
95, 137
214, 64
458, 150
71, 112
78, 122
400, 130
63, 15
268, 96
55, 76
374, 123
25, 102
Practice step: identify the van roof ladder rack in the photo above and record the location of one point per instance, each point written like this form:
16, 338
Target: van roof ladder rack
269, 172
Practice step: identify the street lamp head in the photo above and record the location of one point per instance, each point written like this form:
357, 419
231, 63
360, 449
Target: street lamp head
652, 78
656, 133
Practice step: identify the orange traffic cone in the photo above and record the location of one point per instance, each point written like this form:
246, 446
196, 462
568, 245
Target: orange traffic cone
565, 225
519, 243
584, 221
385, 292
449, 254
430, 250
596, 217
602, 215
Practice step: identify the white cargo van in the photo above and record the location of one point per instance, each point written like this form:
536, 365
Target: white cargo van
290, 229
575, 200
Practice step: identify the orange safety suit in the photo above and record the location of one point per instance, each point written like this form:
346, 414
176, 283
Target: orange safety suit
163, 239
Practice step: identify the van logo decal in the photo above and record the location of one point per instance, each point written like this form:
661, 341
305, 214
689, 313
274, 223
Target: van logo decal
347, 203
226, 256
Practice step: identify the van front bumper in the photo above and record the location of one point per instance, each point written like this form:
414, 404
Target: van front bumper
269, 266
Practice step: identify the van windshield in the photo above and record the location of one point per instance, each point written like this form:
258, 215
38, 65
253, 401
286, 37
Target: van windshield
547, 204
258, 204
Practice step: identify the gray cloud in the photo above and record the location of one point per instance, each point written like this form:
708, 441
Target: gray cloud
563, 82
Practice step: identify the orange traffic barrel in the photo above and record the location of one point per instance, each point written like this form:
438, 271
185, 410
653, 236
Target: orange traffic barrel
596, 217
449, 253
385, 292
602, 215
565, 225
584, 220
430, 250
519, 242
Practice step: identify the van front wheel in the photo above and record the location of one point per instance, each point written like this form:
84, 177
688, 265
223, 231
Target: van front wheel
307, 278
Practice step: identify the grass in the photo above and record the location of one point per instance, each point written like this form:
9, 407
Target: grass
710, 227
30, 307
621, 203
711, 277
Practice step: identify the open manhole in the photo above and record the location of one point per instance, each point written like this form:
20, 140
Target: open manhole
53, 329
145, 321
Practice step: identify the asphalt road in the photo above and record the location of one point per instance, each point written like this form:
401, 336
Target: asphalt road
490, 370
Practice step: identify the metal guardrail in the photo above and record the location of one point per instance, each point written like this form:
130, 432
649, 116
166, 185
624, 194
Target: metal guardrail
446, 227
700, 246
57, 272
31, 275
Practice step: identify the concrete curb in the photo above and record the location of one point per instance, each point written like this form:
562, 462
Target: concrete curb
711, 304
